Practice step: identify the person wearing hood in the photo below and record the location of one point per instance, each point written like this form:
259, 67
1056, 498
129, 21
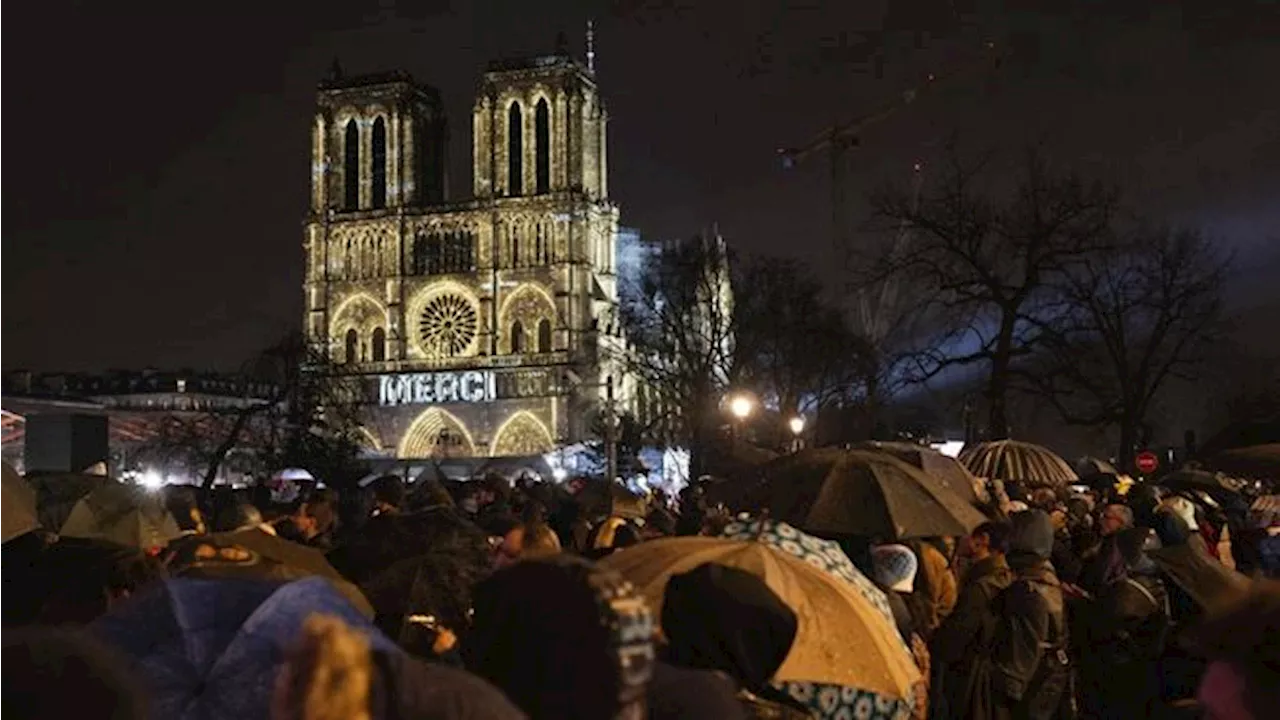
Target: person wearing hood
962, 645
727, 620
1031, 673
1125, 632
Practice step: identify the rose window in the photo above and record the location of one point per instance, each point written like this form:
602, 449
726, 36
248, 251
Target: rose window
448, 326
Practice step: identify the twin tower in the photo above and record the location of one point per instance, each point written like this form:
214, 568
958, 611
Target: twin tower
513, 290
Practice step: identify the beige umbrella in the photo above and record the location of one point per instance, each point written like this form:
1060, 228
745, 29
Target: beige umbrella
123, 514
1032, 465
842, 638
17, 506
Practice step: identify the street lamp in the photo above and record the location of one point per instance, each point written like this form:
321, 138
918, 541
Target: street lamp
796, 424
741, 405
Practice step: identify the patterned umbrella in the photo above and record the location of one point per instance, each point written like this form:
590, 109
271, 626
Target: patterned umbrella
830, 701
842, 640
1031, 465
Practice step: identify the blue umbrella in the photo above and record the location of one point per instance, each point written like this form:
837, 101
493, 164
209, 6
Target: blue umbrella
210, 649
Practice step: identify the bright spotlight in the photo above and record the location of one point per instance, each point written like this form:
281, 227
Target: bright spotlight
559, 474
151, 480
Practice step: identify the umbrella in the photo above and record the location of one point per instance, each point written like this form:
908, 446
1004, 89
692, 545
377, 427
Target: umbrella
1208, 582
1032, 465
18, 506
1258, 461
859, 492
947, 471
276, 559
1089, 466
212, 648
123, 514
58, 493
293, 475
842, 638
1215, 483
829, 700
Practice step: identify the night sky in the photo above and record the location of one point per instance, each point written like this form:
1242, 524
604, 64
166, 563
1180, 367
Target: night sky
157, 160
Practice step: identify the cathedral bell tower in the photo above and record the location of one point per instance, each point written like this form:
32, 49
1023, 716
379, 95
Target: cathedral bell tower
378, 143
539, 127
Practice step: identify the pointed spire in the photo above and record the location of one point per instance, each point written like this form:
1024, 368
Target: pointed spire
562, 43
591, 46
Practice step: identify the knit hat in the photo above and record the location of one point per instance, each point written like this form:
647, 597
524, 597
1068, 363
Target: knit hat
1182, 508
895, 567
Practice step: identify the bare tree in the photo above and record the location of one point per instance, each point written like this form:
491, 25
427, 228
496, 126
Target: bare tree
980, 262
795, 346
1129, 319
679, 320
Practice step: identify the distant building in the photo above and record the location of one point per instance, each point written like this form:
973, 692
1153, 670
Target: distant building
478, 328
134, 402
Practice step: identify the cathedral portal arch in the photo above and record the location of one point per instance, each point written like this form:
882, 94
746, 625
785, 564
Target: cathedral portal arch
522, 434
436, 433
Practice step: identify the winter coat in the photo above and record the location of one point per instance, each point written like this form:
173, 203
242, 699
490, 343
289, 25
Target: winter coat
936, 581
962, 645
1124, 633
1031, 644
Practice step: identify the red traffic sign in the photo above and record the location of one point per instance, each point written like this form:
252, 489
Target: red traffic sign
1147, 462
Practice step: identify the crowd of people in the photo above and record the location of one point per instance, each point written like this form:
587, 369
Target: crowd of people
488, 599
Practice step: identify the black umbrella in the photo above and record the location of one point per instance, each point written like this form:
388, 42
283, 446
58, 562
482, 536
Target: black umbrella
859, 492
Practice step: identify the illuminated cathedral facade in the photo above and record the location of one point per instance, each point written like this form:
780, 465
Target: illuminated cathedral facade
479, 328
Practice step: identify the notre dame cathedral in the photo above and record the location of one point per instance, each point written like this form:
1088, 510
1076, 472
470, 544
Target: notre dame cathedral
476, 328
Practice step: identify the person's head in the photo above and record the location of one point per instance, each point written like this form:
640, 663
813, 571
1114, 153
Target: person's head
895, 567
388, 495
62, 673
318, 515
721, 618
1031, 536
989, 538
563, 638
1242, 680
1114, 519
181, 503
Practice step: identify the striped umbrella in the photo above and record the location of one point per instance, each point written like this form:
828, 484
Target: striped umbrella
1033, 466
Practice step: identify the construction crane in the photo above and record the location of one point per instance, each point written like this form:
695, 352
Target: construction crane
875, 304
839, 139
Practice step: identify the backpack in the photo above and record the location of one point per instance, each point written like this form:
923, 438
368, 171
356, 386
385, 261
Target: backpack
1050, 692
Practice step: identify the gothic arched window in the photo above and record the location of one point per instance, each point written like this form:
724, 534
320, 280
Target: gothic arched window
378, 169
515, 246
351, 166
517, 337
515, 150
542, 147
544, 336
352, 345
379, 351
